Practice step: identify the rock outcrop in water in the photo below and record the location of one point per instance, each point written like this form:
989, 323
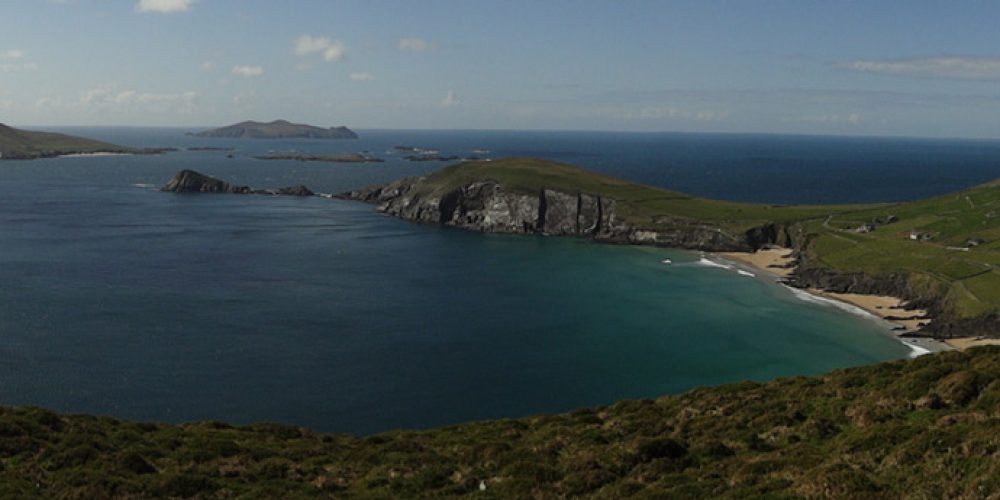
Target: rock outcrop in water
484, 205
189, 181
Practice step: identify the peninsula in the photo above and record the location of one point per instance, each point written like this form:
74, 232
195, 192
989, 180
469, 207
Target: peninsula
939, 255
277, 129
17, 144
189, 181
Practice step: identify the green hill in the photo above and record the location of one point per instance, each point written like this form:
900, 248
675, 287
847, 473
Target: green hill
16, 144
277, 129
925, 428
950, 268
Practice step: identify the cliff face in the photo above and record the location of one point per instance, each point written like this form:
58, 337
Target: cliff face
486, 206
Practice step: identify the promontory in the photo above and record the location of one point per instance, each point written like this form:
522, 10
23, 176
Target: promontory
18, 144
277, 129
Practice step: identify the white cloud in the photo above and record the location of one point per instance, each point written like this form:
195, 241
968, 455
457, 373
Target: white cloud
163, 6
108, 97
17, 67
835, 119
361, 77
331, 50
956, 67
659, 112
248, 71
207, 66
11, 54
449, 100
414, 44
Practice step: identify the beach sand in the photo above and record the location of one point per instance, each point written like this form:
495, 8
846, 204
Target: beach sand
963, 344
882, 306
775, 261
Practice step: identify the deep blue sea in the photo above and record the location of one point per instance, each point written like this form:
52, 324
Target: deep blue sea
117, 299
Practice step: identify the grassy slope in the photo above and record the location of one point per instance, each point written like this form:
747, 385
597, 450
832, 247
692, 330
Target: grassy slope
971, 278
926, 428
643, 206
28, 144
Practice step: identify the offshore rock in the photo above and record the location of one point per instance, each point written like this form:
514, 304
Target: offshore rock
189, 181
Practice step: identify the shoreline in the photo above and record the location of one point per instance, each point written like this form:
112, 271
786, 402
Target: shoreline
776, 263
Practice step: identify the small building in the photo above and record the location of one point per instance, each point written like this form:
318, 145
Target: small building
919, 236
889, 219
974, 242
867, 227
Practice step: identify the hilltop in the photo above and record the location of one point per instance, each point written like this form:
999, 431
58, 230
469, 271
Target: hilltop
277, 129
17, 144
940, 254
924, 428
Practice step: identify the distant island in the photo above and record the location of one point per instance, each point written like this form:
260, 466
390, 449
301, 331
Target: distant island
277, 129
17, 144
343, 158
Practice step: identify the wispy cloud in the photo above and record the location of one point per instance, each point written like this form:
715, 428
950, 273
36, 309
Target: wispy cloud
11, 54
449, 100
414, 44
361, 77
163, 6
952, 67
207, 66
248, 71
331, 50
109, 97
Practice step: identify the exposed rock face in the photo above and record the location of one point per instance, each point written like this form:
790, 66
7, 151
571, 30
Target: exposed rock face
189, 181
486, 206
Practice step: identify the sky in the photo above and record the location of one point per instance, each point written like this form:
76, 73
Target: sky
882, 68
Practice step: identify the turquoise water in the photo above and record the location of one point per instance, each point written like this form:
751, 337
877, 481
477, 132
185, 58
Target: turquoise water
121, 300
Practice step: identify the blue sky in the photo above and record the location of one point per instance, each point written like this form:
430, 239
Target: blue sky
911, 68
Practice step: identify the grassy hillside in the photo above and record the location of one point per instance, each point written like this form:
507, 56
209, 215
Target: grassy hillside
926, 428
643, 206
968, 278
942, 253
25, 144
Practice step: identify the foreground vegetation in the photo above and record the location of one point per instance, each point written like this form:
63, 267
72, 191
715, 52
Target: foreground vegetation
926, 428
944, 250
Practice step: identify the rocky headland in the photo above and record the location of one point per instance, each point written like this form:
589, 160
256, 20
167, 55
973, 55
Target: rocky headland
189, 181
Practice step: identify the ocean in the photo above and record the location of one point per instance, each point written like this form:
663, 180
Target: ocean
120, 300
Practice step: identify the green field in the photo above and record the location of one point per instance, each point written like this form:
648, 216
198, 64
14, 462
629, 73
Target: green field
925, 428
24, 144
966, 279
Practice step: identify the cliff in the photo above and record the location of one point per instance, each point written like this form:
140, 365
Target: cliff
277, 129
189, 181
481, 203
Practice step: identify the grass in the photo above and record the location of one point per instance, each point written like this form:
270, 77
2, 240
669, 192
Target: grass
925, 428
24, 144
828, 236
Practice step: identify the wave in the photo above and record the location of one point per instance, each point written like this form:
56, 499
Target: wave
816, 299
144, 186
917, 351
745, 273
711, 263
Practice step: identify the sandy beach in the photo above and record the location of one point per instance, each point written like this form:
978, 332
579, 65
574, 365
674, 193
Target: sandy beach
966, 343
776, 261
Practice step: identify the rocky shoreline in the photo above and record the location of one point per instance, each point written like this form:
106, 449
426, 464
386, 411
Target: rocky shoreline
189, 181
485, 206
